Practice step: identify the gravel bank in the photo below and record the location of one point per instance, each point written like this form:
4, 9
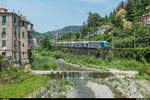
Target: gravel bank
101, 91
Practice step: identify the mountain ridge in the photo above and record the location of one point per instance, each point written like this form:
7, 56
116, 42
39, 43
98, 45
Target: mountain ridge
65, 30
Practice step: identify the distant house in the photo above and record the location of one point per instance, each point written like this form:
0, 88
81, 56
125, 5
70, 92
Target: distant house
145, 19
103, 28
36, 41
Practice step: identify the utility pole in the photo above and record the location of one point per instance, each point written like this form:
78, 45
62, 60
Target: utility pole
56, 35
112, 41
71, 39
60, 38
134, 37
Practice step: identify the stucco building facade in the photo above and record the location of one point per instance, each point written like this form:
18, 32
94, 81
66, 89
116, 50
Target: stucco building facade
145, 19
14, 36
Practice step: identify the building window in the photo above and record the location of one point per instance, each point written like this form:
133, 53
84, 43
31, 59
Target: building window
22, 24
3, 53
23, 53
15, 56
18, 33
3, 19
14, 43
3, 43
22, 34
3, 32
15, 20
15, 34
22, 44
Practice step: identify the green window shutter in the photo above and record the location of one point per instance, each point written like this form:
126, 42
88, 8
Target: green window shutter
3, 43
23, 44
22, 24
14, 43
15, 34
4, 30
3, 53
14, 19
22, 34
3, 19
18, 33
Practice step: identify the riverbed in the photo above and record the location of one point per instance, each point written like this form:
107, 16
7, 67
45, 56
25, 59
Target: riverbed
86, 85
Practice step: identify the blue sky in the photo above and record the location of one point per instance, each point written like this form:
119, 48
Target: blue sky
55, 14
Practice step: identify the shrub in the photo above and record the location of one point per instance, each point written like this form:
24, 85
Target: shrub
43, 63
134, 53
58, 55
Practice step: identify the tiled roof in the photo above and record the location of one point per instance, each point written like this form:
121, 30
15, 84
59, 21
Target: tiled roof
106, 26
147, 14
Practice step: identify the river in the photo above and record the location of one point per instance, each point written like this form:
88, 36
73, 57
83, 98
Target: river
79, 81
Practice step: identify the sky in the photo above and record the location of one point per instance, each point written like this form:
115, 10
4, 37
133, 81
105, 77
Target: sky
47, 15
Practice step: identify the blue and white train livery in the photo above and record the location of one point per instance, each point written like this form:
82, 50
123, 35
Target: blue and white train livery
84, 44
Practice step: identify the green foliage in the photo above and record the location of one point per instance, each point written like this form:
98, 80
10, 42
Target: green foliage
43, 63
130, 64
1, 58
18, 84
58, 55
134, 53
46, 43
131, 11
124, 43
109, 56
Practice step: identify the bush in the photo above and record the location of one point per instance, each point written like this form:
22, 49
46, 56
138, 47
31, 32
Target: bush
43, 63
23, 88
58, 55
1, 58
134, 53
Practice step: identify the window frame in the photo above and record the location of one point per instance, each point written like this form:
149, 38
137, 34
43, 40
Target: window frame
3, 43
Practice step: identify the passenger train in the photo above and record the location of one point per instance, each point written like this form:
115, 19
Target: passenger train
84, 44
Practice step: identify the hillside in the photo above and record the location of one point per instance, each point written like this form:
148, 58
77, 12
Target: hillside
65, 30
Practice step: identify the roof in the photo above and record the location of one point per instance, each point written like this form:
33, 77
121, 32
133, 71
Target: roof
106, 26
147, 14
3, 10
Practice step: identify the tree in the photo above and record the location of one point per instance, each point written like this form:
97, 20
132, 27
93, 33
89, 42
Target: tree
1, 58
131, 11
46, 43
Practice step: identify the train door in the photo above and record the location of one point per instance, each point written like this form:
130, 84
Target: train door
102, 44
87, 45
82, 44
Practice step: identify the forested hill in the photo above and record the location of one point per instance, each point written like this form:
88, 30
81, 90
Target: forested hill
65, 30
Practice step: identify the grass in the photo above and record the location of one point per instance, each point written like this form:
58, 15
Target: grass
24, 83
61, 96
93, 62
41, 61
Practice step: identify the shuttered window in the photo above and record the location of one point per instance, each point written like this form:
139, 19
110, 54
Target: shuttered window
3, 19
22, 44
18, 33
3, 32
14, 19
3, 53
22, 34
22, 24
3, 43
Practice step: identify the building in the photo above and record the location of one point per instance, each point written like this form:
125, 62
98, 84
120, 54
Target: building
36, 42
103, 28
145, 19
14, 35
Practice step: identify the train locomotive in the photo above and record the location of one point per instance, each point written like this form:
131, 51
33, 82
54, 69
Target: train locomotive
84, 44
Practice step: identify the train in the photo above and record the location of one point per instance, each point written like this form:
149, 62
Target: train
84, 44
